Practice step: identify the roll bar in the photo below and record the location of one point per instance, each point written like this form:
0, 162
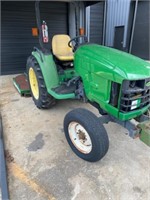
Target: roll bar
39, 25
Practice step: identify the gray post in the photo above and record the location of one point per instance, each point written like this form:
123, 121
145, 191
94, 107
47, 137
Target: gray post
104, 23
133, 26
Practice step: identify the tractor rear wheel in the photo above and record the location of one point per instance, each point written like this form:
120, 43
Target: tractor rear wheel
86, 135
37, 85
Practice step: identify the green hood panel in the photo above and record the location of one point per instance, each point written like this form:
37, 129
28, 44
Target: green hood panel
118, 64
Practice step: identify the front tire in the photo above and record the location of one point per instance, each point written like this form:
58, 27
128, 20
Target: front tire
37, 85
86, 135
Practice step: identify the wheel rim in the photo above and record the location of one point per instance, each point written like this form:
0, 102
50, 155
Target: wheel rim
80, 137
33, 83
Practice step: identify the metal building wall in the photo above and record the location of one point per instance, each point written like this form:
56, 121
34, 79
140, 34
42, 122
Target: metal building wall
117, 15
80, 9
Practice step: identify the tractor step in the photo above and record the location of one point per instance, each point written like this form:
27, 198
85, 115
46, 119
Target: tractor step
64, 89
21, 84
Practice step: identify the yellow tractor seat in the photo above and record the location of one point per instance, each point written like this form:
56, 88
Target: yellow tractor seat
61, 49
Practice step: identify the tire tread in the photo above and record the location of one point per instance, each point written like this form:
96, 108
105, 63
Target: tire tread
45, 100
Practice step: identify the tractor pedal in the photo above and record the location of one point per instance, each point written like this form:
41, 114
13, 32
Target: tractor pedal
64, 89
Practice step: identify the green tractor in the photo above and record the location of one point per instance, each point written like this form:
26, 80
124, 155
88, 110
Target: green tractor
115, 82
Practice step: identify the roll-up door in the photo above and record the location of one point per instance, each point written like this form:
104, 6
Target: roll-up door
18, 19
141, 37
96, 22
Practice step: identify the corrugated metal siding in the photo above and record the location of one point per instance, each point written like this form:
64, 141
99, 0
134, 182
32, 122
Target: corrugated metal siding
17, 41
117, 15
96, 23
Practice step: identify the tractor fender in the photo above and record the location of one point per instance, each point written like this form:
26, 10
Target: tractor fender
48, 68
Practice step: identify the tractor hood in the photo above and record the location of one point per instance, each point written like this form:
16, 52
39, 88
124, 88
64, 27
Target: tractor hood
117, 64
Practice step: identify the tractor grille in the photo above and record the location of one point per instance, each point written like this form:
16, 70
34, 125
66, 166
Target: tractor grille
135, 95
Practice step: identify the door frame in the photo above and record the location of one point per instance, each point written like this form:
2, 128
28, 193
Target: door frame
115, 34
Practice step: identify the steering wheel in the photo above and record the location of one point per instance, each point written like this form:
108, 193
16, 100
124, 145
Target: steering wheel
77, 41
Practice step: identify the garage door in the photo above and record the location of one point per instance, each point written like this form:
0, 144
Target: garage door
96, 23
141, 37
17, 42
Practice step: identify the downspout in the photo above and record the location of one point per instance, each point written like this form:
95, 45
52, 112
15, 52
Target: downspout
104, 23
76, 19
133, 26
88, 22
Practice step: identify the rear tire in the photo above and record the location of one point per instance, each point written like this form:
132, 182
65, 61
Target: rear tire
86, 135
37, 85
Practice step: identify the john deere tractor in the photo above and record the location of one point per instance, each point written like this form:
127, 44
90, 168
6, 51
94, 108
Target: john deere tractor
116, 83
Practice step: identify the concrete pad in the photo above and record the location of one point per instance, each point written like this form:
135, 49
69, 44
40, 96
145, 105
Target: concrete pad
38, 149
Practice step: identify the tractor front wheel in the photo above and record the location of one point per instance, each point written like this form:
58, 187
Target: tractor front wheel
86, 135
37, 85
